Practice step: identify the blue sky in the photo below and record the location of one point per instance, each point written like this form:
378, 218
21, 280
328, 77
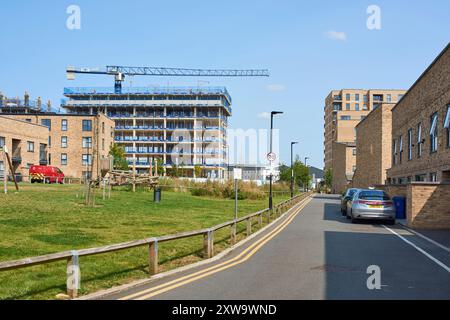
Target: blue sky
291, 38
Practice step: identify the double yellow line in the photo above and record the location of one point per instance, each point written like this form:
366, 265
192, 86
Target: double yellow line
242, 257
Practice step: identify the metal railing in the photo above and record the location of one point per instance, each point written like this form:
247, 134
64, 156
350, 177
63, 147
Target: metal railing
72, 256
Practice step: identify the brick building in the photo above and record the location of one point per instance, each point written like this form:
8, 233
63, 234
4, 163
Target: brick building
343, 165
76, 143
373, 147
26, 144
344, 109
420, 127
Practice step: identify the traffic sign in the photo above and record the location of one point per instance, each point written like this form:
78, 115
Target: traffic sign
237, 174
271, 156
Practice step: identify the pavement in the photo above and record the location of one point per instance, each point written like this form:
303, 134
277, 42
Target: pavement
314, 254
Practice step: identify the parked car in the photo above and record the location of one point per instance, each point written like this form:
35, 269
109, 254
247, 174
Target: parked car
47, 174
371, 204
346, 196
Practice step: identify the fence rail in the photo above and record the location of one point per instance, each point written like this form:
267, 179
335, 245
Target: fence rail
72, 256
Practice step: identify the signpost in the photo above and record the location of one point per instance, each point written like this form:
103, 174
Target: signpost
237, 175
5, 175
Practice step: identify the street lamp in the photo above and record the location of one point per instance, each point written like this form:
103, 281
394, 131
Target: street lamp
273, 113
306, 183
292, 168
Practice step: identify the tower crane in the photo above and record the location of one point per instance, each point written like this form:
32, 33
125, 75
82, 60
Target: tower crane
119, 73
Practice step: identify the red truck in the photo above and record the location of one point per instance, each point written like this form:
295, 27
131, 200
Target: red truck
47, 174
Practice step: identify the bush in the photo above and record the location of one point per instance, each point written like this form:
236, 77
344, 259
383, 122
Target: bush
218, 189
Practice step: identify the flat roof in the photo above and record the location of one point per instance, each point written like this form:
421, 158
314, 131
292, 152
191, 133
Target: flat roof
23, 121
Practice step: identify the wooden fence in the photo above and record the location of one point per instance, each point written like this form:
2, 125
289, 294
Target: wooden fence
72, 256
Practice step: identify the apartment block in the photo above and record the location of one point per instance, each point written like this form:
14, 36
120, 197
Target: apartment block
373, 147
76, 143
421, 128
344, 109
178, 126
26, 144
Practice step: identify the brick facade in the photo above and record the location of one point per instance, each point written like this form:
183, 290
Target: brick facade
24, 141
69, 142
428, 96
344, 109
343, 159
373, 147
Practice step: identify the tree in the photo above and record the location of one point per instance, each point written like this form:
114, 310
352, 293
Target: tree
158, 162
198, 171
174, 172
301, 172
118, 153
328, 177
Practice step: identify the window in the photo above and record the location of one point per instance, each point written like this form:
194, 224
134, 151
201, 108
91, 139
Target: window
2, 166
64, 125
87, 125
394, 152
357, 97
419, 140
347, 96
357, 106
410, 144
366, 98
433, 177
87, 142
354, 151
433, 133
103, 144
354, 168
49, 141
87, 174
64, 159
347, 106
346, 118
389, 98
365, 106
2, 142
86, 159
400, 149
28, 120
63, 142
103, 127
30, 146
47, 123
447, 125
420, 177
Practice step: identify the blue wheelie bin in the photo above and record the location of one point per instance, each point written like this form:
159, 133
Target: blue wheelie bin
400, 207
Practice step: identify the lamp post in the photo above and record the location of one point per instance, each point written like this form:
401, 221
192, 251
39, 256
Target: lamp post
292, 168
306, 183
273, 113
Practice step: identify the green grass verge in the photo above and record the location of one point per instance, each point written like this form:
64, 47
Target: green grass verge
42, 219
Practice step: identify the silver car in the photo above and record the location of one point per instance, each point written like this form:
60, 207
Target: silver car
371, 204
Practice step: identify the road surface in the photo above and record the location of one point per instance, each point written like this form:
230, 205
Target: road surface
316, 254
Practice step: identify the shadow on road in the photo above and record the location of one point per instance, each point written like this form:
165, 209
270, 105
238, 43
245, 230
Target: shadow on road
404, 275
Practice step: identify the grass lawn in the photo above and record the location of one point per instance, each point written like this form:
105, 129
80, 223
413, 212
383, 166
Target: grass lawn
43, 219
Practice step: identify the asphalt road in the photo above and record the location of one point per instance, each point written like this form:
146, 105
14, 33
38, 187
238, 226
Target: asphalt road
317, 255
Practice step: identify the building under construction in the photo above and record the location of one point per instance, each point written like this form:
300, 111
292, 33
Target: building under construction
180, 127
